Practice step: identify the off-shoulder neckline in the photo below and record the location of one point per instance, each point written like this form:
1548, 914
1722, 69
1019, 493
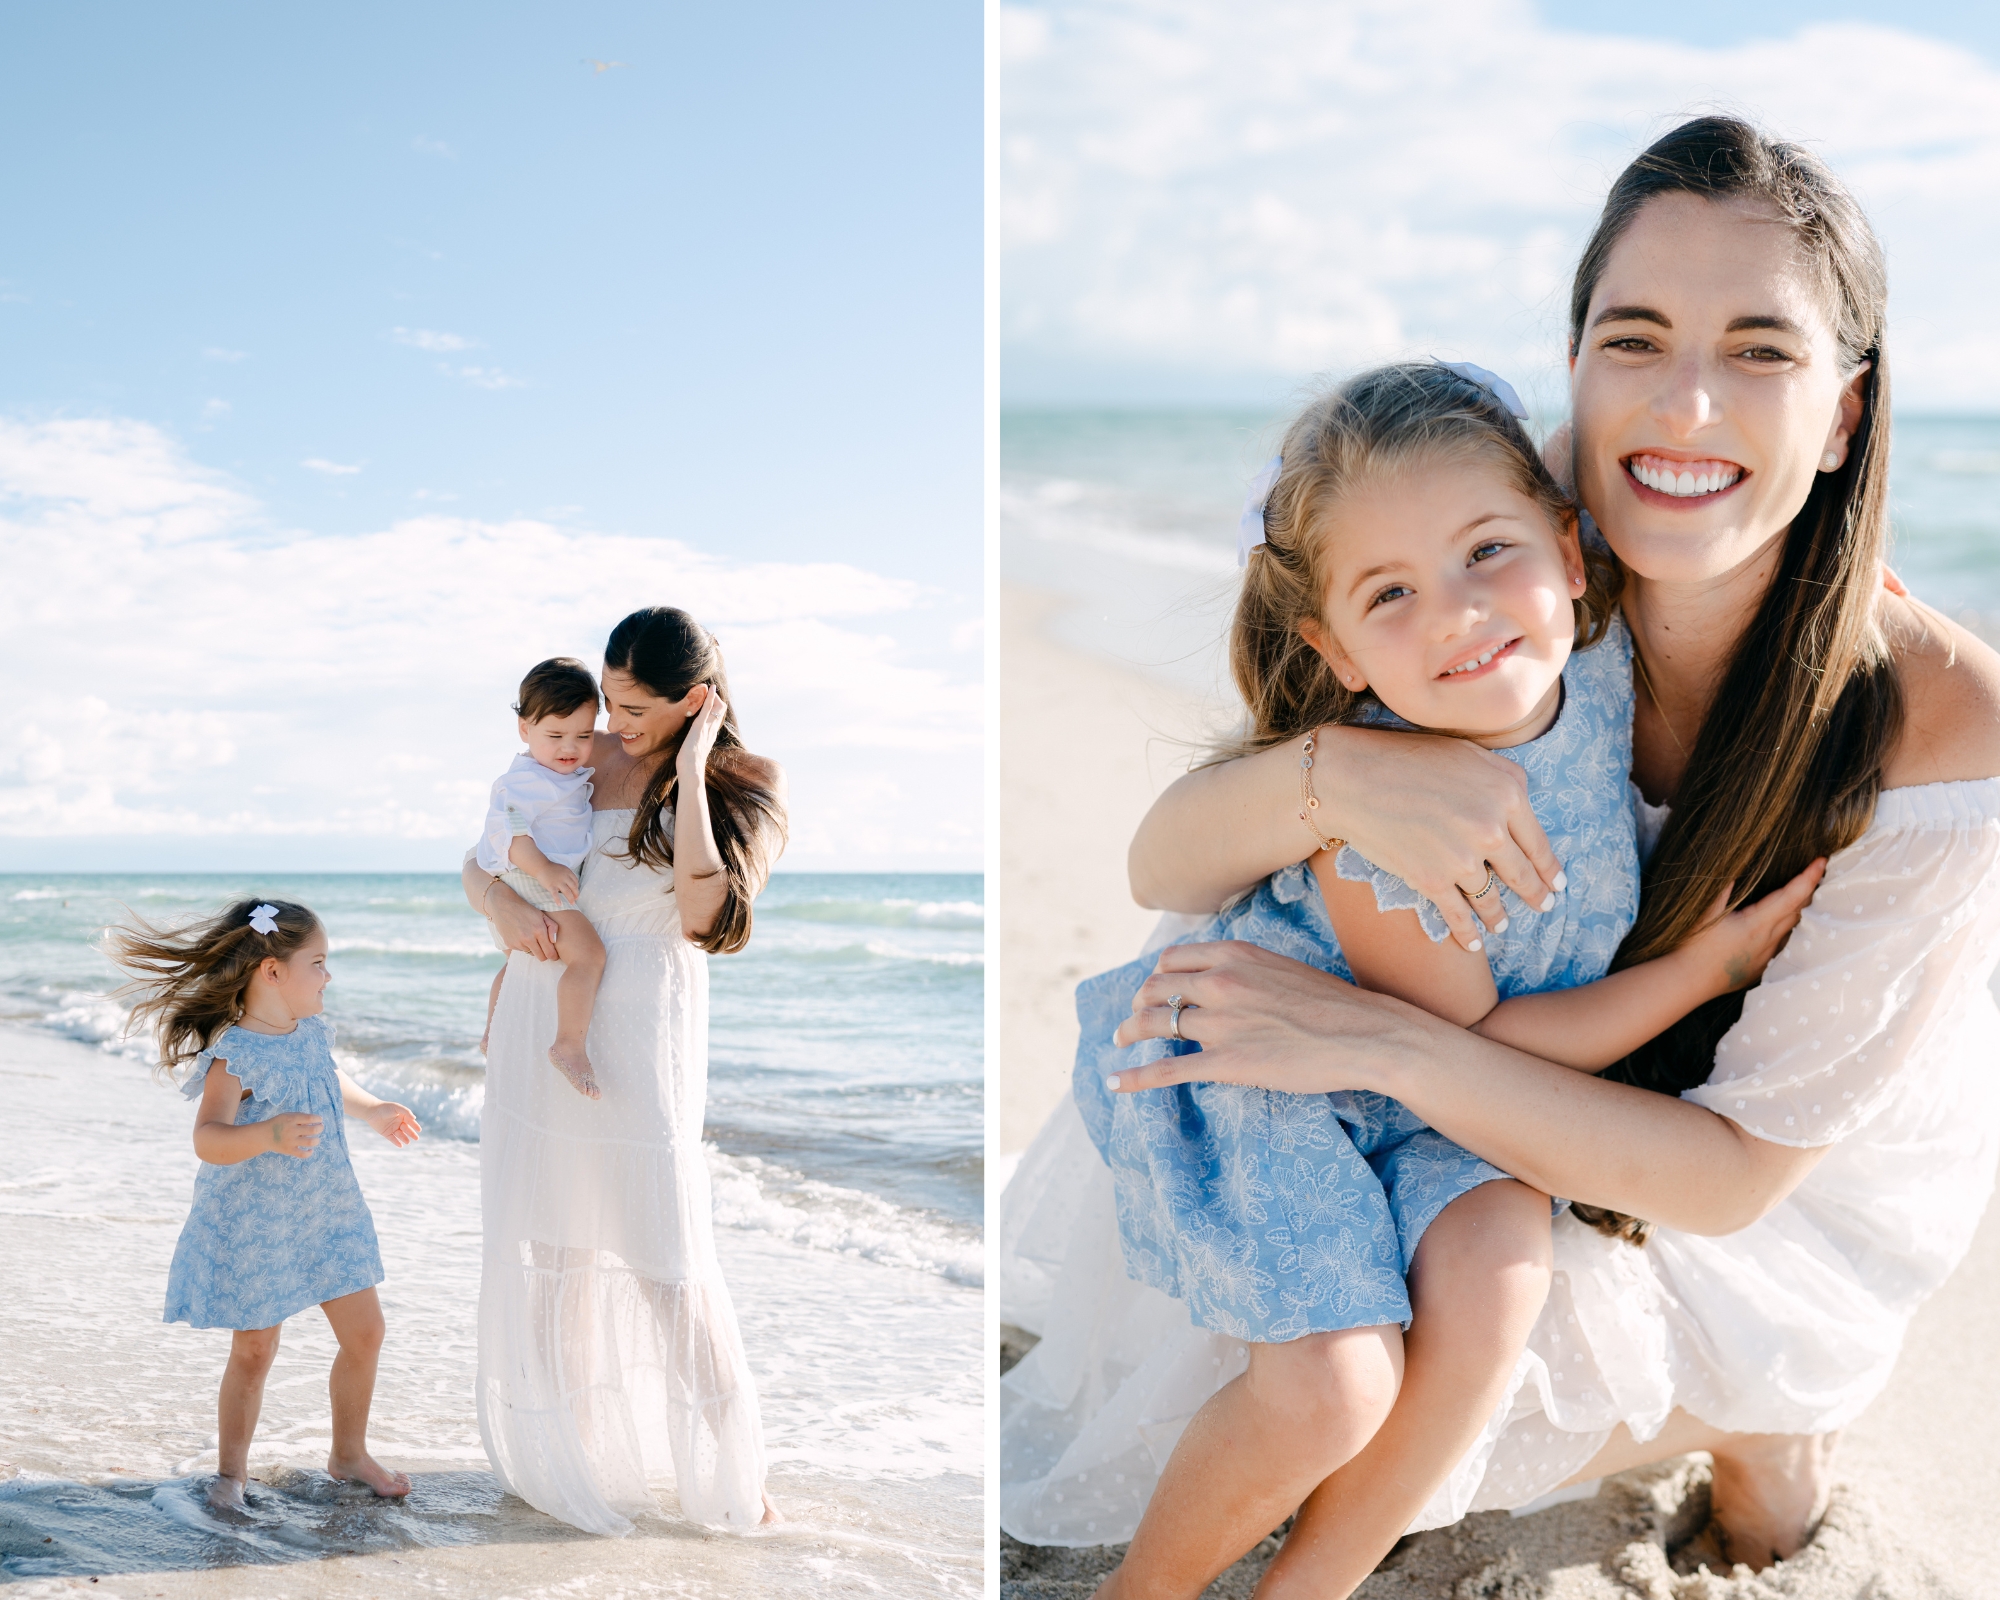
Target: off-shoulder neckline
1952, 802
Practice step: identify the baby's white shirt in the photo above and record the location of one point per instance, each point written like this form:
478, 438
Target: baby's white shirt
551, 809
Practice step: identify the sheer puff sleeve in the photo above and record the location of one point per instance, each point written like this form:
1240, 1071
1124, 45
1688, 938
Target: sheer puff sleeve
1897, 944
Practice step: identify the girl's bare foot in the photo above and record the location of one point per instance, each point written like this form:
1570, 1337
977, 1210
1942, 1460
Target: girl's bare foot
364, 1468
771, 1513
486, 1038
573, 1064
226, 1494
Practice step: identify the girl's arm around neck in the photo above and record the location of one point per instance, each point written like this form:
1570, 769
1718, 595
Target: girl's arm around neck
1435, 811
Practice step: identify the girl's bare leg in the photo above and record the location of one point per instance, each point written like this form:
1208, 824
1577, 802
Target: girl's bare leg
251, 1352
1253, 1452
356, 1320
492, 1001
1476, 1286
1770, 1488
582, 954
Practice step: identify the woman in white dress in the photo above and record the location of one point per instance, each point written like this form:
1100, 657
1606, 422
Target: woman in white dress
1824, 1145
609, 1358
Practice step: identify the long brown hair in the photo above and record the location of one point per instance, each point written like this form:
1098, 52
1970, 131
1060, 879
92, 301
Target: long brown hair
192, 979
1409, 416
1788, 762
668, 652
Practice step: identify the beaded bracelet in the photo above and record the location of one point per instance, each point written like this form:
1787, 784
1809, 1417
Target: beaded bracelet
1311, 800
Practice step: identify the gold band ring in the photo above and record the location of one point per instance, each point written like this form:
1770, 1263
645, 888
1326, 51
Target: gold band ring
1485, 888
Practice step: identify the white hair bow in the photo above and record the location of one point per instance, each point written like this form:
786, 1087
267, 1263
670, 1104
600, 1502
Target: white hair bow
264, 919
1492, 383
1250, 526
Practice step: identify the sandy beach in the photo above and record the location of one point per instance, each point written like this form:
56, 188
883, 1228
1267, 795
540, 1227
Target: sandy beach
1917, 1513
107, 1416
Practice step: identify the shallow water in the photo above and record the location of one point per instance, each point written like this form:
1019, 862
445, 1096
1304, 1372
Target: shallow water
1131, 516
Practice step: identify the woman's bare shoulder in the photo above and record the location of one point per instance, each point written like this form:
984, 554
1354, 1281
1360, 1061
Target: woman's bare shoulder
1951, 698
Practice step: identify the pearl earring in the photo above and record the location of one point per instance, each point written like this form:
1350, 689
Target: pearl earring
1829, 461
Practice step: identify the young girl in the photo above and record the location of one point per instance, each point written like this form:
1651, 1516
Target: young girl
1413, 565
536, 836
278, 1222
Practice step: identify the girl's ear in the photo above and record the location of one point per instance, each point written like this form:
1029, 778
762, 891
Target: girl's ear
1327, 648
1569, 538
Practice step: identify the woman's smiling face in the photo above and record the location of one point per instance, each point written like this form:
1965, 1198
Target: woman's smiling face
640, 720
1706, 389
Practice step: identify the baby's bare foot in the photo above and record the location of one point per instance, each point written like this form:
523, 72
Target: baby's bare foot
573, 1064
226, 1494
486, 1038
364, 1468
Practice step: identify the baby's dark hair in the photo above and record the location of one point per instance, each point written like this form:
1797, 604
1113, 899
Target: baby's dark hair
555, 688
192, 979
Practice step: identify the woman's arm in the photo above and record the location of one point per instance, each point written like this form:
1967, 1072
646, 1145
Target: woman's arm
221, 1142
1434, 811
701, 881
1267, 1019
521, 926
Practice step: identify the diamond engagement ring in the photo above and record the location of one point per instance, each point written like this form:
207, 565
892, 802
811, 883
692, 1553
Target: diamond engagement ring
1177, 1005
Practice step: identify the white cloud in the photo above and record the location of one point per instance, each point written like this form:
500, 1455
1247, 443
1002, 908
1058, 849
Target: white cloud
333, 469
1199, 188
213, 411
182, 668
488, 378
216, 352
433, 147
432, 340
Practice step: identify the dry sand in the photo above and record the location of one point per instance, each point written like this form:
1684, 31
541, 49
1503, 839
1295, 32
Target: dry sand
1917, 1512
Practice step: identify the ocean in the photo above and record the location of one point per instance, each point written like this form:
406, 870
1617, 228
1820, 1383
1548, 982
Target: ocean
844, 1140
1131, 517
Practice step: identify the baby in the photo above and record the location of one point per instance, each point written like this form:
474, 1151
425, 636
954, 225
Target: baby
536, 836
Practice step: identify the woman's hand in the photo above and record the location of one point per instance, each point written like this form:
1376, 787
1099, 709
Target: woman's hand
295, 1133
691, 763
1259, 1018
395, 1123
1438, 812
520, 925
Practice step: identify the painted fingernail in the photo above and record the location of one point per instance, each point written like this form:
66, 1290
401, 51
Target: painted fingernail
1562, 881
1501, 925
1476, 945
1549, 904
1112, 1081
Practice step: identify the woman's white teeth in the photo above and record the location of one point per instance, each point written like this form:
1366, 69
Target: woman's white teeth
1714, 476
1472, 665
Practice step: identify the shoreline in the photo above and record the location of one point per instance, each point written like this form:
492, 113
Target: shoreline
1917, 1516
107, 1415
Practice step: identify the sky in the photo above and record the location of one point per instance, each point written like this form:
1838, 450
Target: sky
353, 359
1206, 203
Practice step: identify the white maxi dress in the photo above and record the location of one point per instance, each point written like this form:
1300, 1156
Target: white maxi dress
609, 1359
1873, 1032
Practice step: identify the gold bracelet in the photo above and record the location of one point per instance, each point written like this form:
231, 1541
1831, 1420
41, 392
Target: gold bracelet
487, 895
1311, 800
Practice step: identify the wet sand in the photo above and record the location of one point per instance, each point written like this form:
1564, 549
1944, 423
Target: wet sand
107, 1415
1917, 1512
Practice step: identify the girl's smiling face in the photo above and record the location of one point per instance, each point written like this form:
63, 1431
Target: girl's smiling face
298, 985
1707, 389
642, 721
1449, 594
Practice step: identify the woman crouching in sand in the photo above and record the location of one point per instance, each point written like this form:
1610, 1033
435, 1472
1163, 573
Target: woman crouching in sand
1813, 1155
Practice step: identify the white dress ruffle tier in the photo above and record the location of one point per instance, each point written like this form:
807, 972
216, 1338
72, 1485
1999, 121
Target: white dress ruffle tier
609, 1357
1873, 1031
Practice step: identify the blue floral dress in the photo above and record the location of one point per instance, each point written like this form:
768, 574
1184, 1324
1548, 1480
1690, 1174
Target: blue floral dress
267, 1237
1278, 1215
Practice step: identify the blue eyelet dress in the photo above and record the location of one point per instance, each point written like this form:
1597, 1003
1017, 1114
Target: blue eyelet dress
267, 1237
1273, 1215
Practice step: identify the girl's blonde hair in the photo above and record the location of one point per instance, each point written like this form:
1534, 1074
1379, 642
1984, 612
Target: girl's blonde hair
1408, 417
192, 979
